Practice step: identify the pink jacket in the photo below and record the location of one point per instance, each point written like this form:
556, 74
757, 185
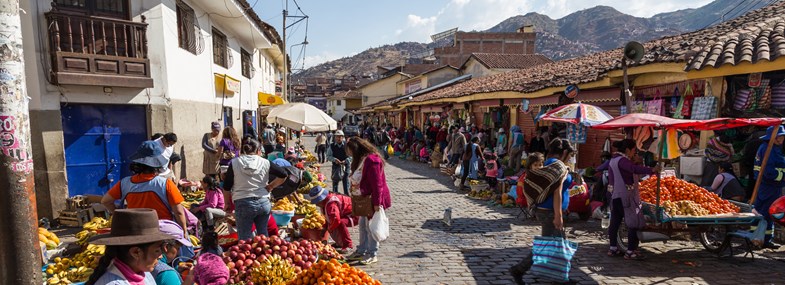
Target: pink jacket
374, 182
212, 199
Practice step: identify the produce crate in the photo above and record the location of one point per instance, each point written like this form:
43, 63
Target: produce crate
74, 218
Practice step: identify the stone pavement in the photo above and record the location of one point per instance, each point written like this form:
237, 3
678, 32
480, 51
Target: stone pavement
484, 242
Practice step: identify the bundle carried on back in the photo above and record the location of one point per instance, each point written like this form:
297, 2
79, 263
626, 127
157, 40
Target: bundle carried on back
541, 183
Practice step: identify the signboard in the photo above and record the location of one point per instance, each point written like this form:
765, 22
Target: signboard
525, 106
755, 79
571, 91
319, 103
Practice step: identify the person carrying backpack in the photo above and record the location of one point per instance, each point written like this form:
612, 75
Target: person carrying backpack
547, 189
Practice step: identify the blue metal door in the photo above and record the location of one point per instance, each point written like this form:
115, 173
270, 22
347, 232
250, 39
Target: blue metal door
98, 141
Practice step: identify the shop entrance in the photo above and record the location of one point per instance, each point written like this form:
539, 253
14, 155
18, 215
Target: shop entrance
98, 140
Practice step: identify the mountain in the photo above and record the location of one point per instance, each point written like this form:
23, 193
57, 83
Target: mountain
580, 33
365, 63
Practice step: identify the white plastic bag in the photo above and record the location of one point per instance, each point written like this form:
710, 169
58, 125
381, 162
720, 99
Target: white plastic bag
379, 226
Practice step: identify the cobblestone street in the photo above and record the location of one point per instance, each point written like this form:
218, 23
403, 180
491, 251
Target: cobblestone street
484, 242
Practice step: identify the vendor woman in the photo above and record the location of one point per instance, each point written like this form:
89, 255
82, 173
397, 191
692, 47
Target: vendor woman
772, 183
337, 210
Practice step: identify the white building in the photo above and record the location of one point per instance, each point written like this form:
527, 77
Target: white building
341, 105
104, 75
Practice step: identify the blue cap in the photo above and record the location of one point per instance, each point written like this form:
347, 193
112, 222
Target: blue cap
317, 194
780, 132
149, 153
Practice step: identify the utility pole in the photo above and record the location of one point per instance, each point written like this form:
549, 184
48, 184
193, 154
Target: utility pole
284, 86
19, 251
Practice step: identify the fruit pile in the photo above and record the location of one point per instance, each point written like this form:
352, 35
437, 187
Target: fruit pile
273, 271
486, 194
307, 188
253, 253
76, 269
333, 272
313, 221
48, 238
283, 205
326, 251
684, 208
309, 157
90, 229
676, 190
305, 209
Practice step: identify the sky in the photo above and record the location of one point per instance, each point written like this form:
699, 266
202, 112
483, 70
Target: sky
339, 28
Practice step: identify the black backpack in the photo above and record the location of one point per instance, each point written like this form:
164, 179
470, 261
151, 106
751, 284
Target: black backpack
294, 178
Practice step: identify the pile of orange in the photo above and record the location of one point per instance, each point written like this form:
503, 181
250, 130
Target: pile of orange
674, 189
333, 272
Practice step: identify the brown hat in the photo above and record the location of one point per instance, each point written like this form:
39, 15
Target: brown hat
132, 226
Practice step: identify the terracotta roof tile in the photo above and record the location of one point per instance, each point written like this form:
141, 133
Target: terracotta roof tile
509, 61
757, 35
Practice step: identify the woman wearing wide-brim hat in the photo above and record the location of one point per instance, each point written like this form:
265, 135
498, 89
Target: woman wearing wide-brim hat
132, 249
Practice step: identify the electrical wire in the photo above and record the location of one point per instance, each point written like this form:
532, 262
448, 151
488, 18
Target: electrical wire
723, 15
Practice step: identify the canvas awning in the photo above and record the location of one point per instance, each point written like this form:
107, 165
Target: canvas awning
226, 85
266, 99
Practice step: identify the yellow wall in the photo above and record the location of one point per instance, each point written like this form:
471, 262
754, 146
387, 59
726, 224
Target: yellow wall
381, 89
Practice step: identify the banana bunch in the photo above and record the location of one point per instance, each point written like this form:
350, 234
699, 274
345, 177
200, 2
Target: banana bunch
83, 236
97, 223
314, 221
305, 209
274, 271
76, 269
196, 196
283, 205
51, 240
194, 240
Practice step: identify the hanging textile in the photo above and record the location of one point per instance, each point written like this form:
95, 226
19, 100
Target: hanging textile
576, 133
670, 147
704, 108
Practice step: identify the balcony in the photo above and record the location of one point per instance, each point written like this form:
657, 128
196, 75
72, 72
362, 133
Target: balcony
98, 51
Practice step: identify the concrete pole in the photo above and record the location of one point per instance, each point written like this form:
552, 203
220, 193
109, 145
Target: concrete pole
19, 250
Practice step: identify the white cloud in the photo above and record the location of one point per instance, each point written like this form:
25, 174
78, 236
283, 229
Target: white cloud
316, 59
467, 15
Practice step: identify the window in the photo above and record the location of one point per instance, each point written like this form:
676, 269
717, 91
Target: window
245, 61
186, 27
104, 8
220, 49
338, 102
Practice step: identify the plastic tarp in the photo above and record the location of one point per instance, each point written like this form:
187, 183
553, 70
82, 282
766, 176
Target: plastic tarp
656, 121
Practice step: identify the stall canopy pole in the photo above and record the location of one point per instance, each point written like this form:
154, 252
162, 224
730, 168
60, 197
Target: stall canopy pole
772, 137
660, 146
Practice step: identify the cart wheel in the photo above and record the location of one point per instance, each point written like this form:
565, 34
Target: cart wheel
714, 238
621, 238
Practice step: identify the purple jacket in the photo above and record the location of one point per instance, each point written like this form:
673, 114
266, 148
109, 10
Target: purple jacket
374, 182
628, 169
212, 199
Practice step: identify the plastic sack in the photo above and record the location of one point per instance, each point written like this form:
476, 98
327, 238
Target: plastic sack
551, 257
379, 226
513, 193
390, 150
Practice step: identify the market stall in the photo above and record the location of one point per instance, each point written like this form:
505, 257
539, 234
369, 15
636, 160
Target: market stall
302, 116
673, 205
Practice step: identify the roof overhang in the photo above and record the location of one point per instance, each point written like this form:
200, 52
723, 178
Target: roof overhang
230, 15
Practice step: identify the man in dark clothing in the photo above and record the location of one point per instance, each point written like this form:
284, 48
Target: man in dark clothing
250, 131
336, 153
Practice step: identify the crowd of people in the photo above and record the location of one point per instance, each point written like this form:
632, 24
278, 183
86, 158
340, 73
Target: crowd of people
242, 177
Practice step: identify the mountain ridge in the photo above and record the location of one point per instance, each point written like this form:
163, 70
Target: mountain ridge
579, 33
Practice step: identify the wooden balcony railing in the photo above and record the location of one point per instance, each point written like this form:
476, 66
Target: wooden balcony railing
98, 51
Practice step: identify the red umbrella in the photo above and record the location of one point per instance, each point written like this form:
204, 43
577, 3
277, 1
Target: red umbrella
656, 121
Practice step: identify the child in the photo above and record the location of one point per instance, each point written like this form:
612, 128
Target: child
534, 161
398, 147
424, 156
213, 205
210, 268
491, 168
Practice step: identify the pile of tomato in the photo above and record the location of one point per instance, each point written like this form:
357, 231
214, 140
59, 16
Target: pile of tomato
674, 189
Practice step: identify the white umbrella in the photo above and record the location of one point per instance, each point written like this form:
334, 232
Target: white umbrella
300, 116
